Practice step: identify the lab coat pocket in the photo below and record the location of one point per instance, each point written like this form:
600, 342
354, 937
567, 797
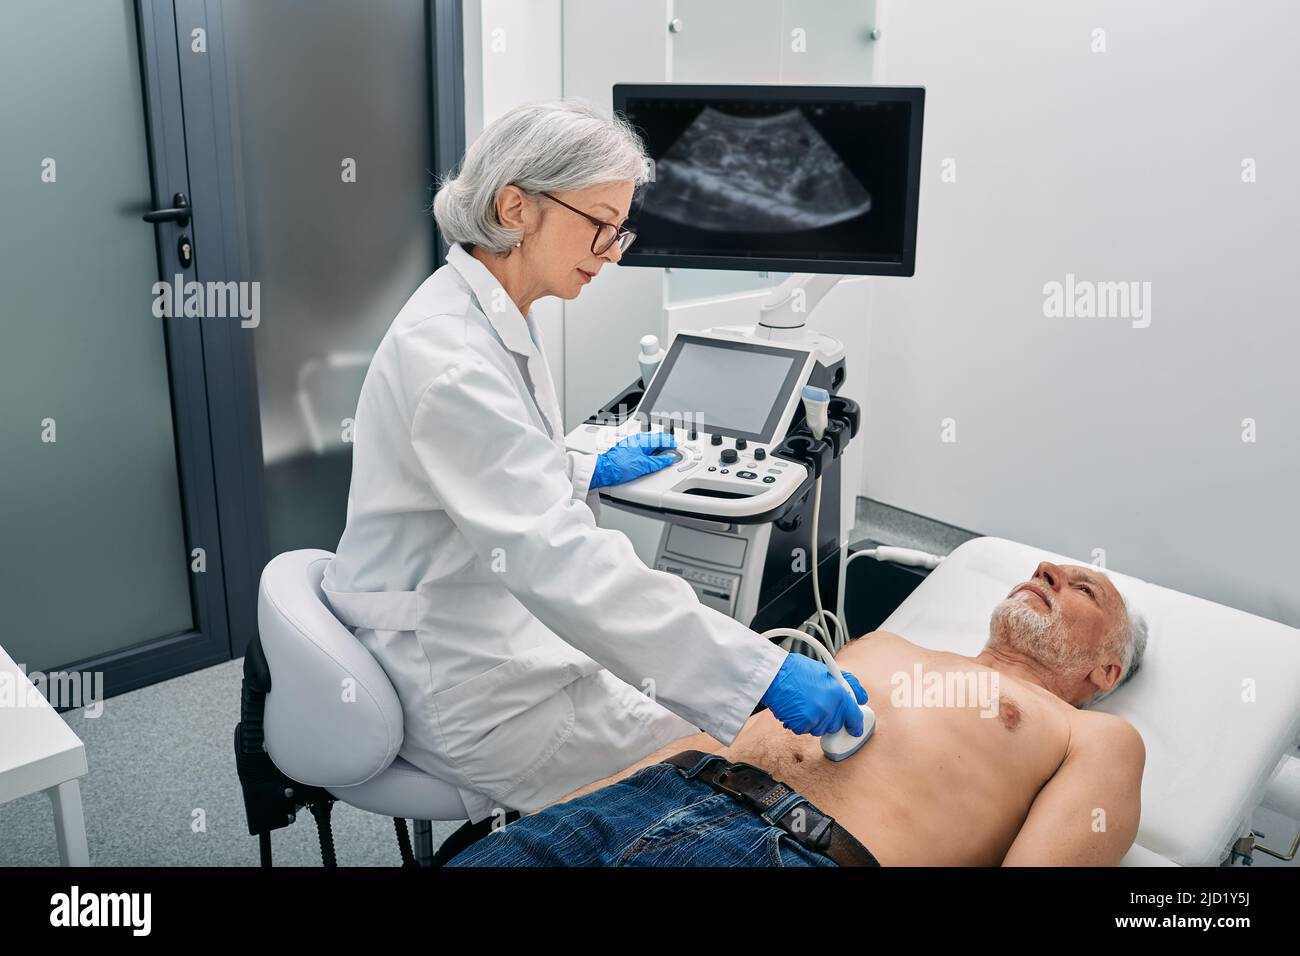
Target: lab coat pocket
500, 727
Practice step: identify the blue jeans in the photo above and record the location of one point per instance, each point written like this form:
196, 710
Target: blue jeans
658, 816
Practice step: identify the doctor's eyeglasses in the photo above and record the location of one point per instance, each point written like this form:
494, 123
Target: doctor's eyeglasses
606, 232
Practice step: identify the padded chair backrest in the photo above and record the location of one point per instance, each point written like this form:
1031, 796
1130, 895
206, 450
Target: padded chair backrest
332, 717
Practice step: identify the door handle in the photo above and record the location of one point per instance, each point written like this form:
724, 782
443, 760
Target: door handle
179, 215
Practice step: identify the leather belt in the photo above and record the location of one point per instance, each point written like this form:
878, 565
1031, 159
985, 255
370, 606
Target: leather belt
778, 804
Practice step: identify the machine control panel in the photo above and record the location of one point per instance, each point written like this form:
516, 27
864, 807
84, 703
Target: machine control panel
708, 478
728, 399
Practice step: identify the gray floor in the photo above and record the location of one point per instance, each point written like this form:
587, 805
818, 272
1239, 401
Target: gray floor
162, 790
903, 529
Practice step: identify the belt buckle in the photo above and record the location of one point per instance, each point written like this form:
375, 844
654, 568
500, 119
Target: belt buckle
760, 795
818, 838
728, 771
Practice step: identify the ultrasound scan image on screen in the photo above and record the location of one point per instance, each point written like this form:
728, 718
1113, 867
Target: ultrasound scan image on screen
755, 174
771, 179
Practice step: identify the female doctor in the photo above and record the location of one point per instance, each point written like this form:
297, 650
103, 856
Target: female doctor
532, 651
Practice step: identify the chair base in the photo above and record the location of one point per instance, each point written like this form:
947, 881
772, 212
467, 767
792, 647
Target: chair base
272, 800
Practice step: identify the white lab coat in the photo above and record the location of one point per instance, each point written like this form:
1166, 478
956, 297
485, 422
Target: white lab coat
527, 644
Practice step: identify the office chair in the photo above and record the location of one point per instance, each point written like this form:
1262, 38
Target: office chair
300, 743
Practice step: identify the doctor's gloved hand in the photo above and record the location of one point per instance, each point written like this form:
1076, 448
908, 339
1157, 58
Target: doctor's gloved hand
633, 457
808, 700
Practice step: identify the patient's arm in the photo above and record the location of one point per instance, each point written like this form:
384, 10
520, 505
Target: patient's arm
1087, 813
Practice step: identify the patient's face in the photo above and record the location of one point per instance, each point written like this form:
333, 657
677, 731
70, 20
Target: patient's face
1060, 617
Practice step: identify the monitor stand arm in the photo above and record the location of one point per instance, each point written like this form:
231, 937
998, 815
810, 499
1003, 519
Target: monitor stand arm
789, 304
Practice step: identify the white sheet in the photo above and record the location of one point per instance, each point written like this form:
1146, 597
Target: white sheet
1217, 700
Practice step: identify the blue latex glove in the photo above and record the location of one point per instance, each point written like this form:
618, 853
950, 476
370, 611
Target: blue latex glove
808, 700
632, 458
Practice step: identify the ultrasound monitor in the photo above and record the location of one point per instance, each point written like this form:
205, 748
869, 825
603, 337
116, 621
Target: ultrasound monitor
821, 179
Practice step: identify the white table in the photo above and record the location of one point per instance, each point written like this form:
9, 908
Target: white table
38, 751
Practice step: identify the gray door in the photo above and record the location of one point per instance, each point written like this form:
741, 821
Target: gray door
110, 558
332, 176
315, 133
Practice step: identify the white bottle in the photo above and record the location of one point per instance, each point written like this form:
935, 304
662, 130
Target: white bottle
649, 358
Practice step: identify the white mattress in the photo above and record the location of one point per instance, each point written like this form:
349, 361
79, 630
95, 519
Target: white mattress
1210, 750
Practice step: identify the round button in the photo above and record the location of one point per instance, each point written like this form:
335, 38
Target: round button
724, 472
729, 456
769, 479
713, 467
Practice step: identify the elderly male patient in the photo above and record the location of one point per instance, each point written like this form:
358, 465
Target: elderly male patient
1014, 774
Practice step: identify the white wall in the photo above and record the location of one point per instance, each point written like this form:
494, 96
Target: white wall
1075, 434
773, 41
608, 42
513, 56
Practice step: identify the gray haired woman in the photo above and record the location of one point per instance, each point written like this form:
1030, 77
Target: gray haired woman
531, 650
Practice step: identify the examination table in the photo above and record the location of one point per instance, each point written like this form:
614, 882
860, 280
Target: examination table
1217, 699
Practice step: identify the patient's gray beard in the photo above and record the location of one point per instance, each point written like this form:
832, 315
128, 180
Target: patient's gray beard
1044, 638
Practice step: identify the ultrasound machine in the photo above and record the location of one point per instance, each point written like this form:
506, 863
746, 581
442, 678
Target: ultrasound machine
819, 181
